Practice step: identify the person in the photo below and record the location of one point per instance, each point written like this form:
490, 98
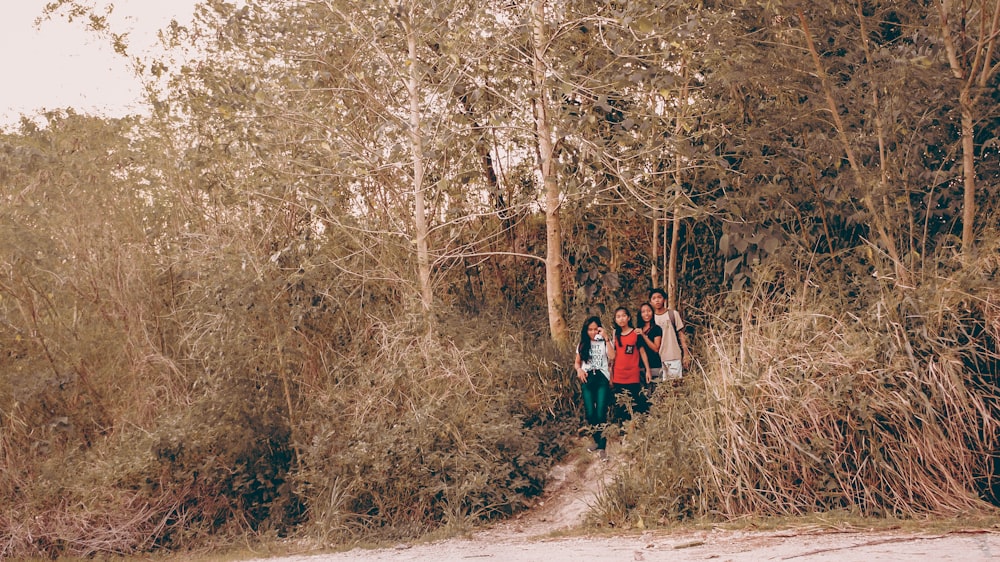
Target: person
674, 351
593, 368
651, 337
629, 355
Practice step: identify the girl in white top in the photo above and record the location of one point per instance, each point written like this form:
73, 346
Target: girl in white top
593, 369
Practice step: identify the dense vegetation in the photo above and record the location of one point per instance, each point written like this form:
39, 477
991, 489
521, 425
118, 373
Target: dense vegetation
326, 287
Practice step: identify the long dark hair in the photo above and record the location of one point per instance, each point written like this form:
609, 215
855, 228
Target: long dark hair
639, 322
618, 329
585, 339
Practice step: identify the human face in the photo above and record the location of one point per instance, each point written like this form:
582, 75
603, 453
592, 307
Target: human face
646, 311
622, 318
592, 330
657, 301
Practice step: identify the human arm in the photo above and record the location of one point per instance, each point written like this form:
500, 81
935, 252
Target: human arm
686, 351
645, 362
578, 364
653, 343
610, 348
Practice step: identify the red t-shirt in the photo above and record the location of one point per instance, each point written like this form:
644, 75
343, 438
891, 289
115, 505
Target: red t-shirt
627, 360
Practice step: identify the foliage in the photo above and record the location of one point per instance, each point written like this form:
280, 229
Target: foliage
399, 446
858, 144
210, 316
181, 370
803, 407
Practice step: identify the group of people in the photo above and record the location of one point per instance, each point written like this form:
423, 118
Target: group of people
640, 355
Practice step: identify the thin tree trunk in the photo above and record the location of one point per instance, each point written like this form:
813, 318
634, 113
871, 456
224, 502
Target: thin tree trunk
675, 221
969, 174
656, 249
672, 278
666, 225
546, 149
417, 149
976, 74
902, 274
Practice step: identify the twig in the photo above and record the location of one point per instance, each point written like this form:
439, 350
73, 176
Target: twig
862, 545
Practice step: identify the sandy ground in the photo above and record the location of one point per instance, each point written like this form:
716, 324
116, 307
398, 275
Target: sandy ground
724, 546
541, 534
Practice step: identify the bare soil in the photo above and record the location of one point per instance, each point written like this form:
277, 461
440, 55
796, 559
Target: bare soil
552, 531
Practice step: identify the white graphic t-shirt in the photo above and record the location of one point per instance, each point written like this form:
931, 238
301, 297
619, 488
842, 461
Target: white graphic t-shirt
598, 358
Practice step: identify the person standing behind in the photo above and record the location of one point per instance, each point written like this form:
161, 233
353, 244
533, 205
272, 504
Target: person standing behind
674, 351
629, 353
651, 336
593, 369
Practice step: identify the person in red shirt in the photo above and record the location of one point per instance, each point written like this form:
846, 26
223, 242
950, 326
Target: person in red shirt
625, 372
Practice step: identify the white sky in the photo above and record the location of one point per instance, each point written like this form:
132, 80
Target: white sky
59, 64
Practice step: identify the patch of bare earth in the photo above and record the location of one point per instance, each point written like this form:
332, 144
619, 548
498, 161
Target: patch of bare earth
571, 490
541, 534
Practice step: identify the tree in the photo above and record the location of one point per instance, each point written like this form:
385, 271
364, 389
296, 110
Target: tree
356, 104
835, 126
547, 171
970, 33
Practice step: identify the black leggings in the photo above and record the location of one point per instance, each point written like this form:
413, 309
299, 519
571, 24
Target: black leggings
596, 398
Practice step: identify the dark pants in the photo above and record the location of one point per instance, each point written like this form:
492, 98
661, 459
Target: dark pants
596, 399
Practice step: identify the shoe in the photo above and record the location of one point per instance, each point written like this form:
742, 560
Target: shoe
592, 449
603, 455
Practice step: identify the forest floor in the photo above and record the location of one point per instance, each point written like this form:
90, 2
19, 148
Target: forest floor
553, 531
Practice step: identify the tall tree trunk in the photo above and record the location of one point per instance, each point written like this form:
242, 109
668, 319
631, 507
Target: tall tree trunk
975, 74
968, 173
417, 149
675, 221
675, 229
655, 251
546, 156
666, 226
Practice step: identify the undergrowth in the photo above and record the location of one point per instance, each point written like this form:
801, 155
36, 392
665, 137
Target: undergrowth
397, 433
886, 408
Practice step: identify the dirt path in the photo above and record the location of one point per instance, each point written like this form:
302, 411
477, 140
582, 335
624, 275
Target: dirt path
573, 487
723, 546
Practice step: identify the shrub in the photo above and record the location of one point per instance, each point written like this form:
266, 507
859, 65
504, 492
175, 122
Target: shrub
424, 433
802, 408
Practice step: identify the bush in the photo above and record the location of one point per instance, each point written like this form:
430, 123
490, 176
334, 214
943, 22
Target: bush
405, 434
425, 433
804, 408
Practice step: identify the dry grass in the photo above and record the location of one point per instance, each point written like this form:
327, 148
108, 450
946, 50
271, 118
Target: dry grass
428, 433
885, 411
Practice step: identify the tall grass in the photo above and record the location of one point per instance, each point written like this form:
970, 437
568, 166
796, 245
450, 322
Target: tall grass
803, 406
337, 425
